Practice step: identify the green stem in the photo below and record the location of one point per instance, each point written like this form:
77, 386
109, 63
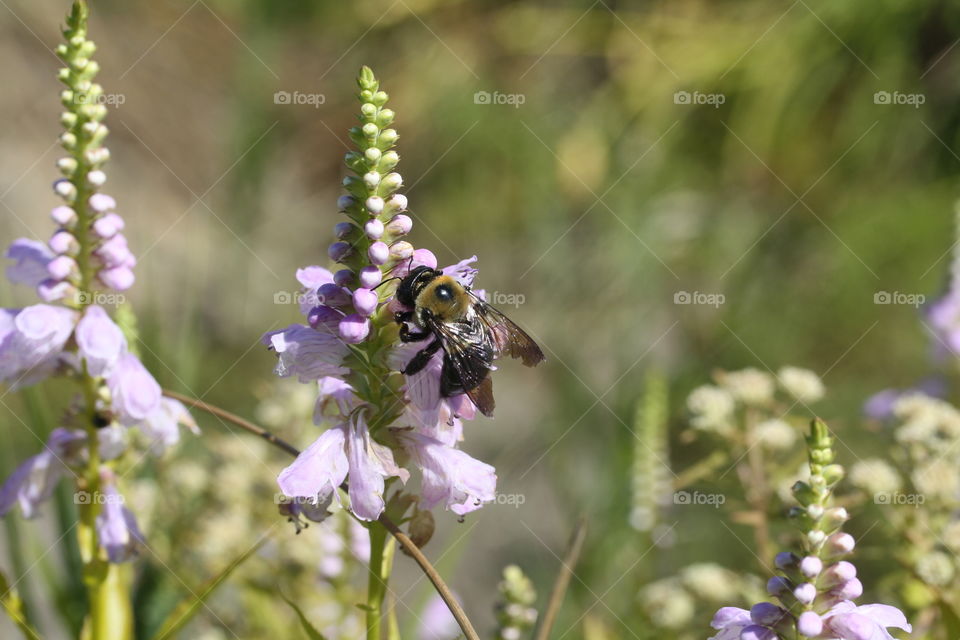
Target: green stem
381, 562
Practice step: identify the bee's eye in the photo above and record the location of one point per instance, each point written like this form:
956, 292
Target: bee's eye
444, 293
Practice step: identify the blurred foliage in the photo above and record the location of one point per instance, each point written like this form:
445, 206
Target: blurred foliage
599, 198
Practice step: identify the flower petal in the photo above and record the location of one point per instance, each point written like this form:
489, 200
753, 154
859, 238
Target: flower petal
318, 470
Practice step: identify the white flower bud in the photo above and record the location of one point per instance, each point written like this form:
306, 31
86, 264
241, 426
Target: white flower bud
374, 204
371, 179
392, 181
67, 166
372, 154
97, 178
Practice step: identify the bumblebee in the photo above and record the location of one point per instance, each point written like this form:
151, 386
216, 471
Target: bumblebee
471, 333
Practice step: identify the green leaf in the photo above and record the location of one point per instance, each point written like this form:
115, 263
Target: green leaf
12, 604
189, 607
951, 621
308, 628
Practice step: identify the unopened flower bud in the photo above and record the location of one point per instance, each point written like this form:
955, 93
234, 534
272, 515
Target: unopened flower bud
368, 109
757, 632
379, 98
97, 156
423, 258
372, 155
389, 160
338, 251
62, 267
811, 566
399, 225
333, 295
815, 511
344, 278
118, 278
64, 243
96, 178
385, 117
786, 560
805, 593
401, 250
370, 277
354, 328
369, 130
343, 229
388, 136
373, 228
378, 253
371, 179
838, 573
325, 318
766, 614
108, 225
392, 182
345, 202
64, 216
840, 543
365, 301
374, 204
102, 203
67, 166
778, 585
834, 518
816, 537
849, 590
68, 119
395, 204
68, 141
65, 189
809, 624
833, 474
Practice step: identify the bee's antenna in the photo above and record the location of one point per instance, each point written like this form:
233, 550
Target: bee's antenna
386, 281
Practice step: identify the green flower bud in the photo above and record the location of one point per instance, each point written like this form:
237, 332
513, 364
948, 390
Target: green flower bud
388, 137
385, 117
370, 130
380, 98
389, 160
368, 109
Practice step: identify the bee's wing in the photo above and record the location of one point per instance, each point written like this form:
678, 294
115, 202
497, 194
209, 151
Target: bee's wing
508, 338
468, 357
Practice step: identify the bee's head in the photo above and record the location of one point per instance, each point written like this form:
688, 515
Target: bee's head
413, 283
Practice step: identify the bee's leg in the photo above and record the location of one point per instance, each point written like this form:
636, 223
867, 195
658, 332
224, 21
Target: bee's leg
402, 316
419, 361
412, 336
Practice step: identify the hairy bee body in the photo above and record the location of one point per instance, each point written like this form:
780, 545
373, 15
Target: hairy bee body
471, 333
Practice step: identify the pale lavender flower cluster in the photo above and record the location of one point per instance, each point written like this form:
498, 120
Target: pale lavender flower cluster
77, 338
348, 348
816, 589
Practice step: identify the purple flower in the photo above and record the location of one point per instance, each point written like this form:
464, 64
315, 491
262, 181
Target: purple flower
343, 452
730, 621
34, 480
312, 278
437, 623
162, 425
354, 328
99, 340
847, 621
944, 316
31, 258
117, 529
335, 394
462, 271
31, 345
450, 476
307, 353
135, 394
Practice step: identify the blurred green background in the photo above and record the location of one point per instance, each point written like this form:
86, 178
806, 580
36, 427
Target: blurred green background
598, 199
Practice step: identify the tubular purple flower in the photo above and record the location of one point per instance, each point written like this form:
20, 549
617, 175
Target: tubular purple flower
99, 340
36, 340
730, 621
866, 622
117, 529
312, 278
450, 476
320, 469
370, 464
33, 482
334, 393
354, 328
306, 353
162, 425
51, 290
31, 259
133, 391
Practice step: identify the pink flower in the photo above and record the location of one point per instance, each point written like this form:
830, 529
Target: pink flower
99, 340
345, 452
450, 476
847, 621
135, 394
31, 258
307, 353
